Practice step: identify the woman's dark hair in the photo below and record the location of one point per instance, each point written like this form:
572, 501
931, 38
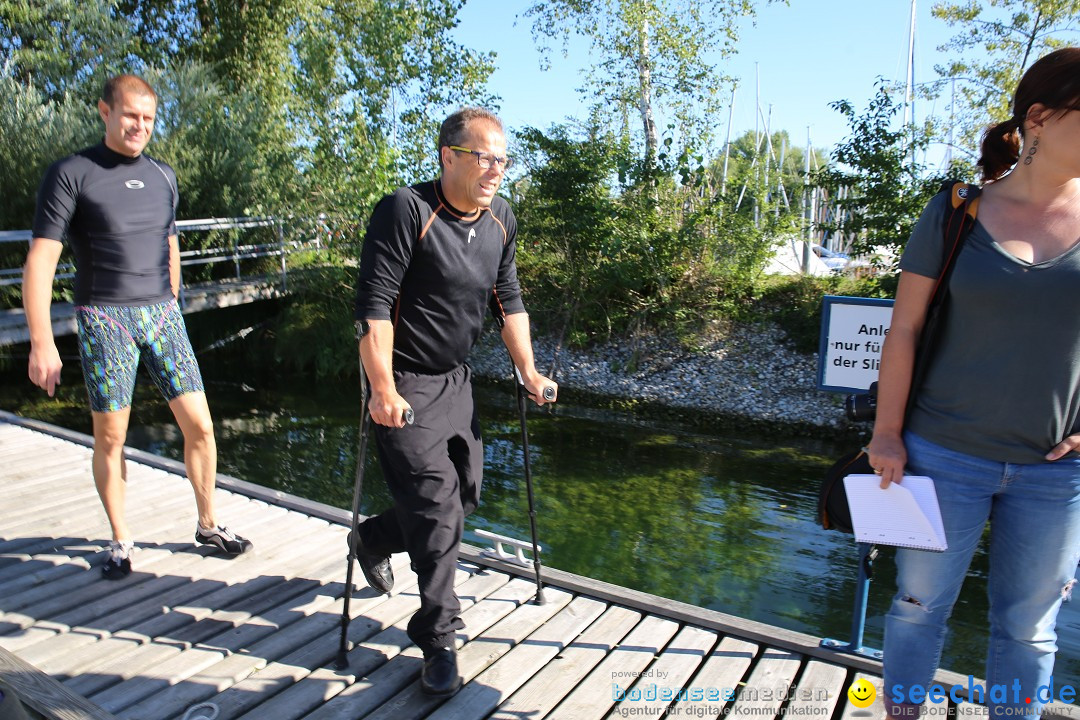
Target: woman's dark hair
1054, 81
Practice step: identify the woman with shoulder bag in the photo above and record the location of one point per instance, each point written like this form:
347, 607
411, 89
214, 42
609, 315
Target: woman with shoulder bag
995, 420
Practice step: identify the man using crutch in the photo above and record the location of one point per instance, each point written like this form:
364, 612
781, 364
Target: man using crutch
434, 257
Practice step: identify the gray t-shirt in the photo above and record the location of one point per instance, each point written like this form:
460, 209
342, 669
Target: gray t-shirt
1004, 382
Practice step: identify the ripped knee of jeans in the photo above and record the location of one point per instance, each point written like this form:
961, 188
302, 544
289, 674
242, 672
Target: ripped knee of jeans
913, 601
1066, 592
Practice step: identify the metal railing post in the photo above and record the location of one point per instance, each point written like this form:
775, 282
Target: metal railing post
867, 554
181, 300
236, 256
281, 248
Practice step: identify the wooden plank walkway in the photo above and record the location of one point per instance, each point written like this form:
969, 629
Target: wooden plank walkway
256, 636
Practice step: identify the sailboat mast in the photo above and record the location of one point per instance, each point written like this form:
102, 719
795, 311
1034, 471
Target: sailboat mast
909, 95
727, 141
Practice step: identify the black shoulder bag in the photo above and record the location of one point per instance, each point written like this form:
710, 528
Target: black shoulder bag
833, 512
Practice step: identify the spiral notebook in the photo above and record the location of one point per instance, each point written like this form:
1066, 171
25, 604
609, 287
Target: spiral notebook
904, 515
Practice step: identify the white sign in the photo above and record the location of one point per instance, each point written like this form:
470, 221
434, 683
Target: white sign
852, 333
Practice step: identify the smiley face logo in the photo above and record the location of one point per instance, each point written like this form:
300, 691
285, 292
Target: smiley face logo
862, 693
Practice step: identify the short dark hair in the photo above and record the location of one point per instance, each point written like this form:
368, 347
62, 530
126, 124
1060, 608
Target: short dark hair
1053, 81
454, 127
114, 86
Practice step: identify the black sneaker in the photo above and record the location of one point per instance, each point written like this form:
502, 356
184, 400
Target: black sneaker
118, 565
376, 569
223, 539
440, 677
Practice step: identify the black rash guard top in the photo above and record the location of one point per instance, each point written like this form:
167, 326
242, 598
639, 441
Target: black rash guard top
432, 271
117, 213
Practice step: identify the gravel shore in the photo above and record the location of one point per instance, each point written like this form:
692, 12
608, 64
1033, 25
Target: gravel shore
748, 372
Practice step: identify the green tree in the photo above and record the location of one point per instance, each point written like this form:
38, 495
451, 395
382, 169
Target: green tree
1000, 39
250, 43
248, 46
348, 165
876, 191
162, 31
62, 46
375, 79
666, 253
35, 131
567, 214
261, 98
372, 80
600, 260
653, 57
215, 139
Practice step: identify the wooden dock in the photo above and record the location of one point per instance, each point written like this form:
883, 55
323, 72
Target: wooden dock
256, 636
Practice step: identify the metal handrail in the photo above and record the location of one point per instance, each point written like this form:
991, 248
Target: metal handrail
298, 244
15, 236
198, 225
13, 276
224, 223
204, 256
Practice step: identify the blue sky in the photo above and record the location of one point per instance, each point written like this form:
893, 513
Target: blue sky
807, 54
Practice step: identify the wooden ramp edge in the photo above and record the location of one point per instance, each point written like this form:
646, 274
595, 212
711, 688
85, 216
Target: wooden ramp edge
45, 695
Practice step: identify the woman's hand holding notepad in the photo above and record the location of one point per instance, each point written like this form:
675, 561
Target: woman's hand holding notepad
904, 514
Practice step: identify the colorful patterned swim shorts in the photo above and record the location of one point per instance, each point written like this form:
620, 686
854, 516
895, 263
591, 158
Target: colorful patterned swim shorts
113, 337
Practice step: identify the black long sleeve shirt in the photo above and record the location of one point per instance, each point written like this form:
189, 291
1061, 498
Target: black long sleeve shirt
433, 271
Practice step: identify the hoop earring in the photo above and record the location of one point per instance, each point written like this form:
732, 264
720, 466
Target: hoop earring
1031, 153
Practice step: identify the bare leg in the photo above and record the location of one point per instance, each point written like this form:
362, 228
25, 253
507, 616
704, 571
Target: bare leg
200, 450
110, 470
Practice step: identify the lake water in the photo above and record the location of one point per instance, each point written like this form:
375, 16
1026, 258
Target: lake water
716, 519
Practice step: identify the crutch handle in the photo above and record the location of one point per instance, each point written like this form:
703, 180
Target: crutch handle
548, 393
408, 416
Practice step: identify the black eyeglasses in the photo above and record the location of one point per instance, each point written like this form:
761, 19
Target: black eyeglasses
485, 160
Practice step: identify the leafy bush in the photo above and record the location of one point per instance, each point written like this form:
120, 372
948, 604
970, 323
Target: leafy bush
876, 187
34, 133
315, 333
607, 247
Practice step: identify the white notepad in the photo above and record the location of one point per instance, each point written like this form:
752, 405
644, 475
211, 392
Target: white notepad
904, 515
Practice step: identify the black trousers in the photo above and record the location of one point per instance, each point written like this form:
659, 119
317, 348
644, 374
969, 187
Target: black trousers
433, 470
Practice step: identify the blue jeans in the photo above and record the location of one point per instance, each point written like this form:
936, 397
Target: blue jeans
1034, 514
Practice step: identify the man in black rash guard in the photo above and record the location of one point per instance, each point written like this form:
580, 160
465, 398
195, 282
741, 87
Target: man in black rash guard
435, 257
116, 207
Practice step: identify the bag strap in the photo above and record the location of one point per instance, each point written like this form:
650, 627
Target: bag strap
956, 226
